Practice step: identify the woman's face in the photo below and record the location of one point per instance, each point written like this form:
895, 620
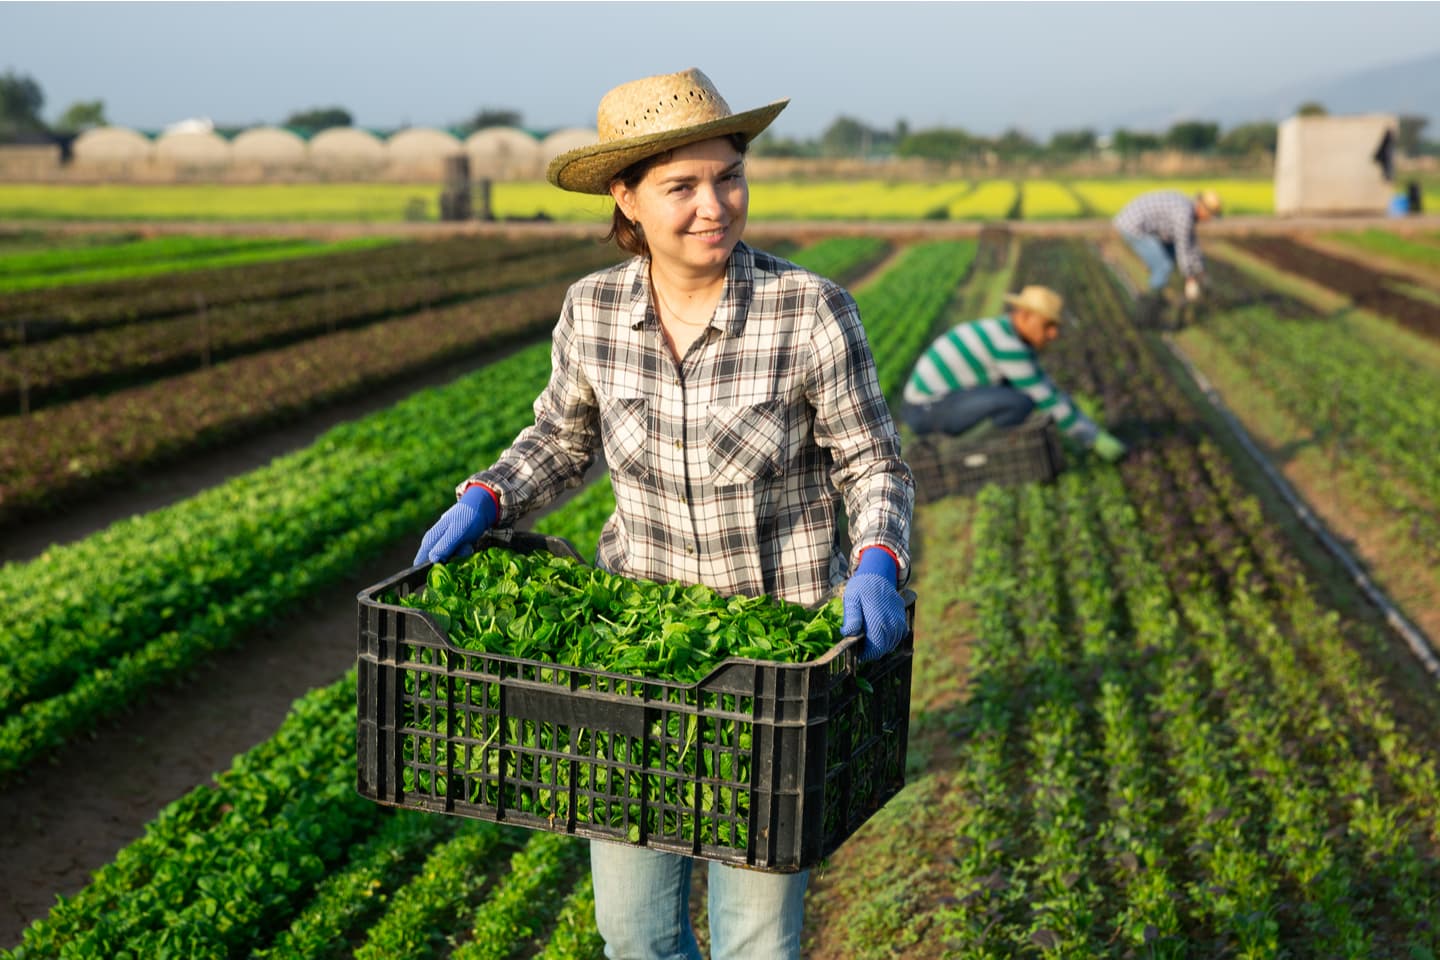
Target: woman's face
691, 206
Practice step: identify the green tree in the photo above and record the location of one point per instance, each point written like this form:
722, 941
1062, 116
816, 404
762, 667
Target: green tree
1411, 138
845, 137
1312, 108
1133, 141
770, 145
20, 101
1073, 141
82, 115
1015, 143
491, 117
941, 143
1193, 136
320, 118
1249, 139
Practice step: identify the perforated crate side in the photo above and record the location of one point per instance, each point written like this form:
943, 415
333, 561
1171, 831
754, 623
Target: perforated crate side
764, 758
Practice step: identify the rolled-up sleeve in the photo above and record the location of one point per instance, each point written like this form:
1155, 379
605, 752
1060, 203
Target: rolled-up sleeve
551, 455
853, 422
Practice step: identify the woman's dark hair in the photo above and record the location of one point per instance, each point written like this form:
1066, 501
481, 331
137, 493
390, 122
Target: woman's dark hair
625, 232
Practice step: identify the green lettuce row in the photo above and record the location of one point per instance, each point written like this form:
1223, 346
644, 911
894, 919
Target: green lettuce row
351, 897
524, 901
225, 560
454, 879
575, 936
206, 820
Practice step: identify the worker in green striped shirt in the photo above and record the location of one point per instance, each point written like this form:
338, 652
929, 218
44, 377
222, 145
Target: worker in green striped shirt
986, 373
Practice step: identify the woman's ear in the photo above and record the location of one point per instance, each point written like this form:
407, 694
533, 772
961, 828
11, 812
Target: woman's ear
624, 198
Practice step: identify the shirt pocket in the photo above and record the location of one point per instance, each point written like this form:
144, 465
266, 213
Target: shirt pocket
625, 433
746, 443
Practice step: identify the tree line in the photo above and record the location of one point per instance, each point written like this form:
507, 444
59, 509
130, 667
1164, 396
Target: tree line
21, 101
848, 137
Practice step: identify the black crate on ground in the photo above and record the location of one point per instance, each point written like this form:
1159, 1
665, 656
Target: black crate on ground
763, 765
946, 466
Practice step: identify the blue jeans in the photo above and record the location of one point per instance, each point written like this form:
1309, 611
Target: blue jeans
642, 907
1158, 256
959, 410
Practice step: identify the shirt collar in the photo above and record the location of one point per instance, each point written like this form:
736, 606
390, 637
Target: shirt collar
735, 299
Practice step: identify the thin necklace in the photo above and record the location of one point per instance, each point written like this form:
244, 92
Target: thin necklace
675, 314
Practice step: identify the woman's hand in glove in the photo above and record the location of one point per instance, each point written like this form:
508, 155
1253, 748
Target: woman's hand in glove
873, 605
455, 533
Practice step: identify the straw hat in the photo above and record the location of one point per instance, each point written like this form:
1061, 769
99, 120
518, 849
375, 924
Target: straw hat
1038, 299
649, 116
1210, 200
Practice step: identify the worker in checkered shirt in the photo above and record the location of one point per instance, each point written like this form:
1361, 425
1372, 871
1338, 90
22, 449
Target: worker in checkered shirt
985, 374
736, 401
1160, 228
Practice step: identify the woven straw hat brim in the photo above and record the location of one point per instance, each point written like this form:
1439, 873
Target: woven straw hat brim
590, 169
1036, 304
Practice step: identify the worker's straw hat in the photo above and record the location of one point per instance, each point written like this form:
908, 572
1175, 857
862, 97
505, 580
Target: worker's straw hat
1038, 299
644, 117
1210, 200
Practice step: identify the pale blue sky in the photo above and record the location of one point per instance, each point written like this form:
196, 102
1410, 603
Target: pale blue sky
981, 66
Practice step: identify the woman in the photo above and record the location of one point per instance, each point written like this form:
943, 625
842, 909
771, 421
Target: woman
735, 398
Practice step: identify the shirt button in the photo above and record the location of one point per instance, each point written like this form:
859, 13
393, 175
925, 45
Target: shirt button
690, 548
682, 499
679, 444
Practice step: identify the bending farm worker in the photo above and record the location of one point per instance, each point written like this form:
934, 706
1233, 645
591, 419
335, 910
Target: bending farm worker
735, 398
1160, 228
986, 374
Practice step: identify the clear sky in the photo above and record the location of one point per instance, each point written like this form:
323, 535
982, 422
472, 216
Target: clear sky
981, 66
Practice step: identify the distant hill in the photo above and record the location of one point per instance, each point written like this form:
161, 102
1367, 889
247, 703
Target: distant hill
1411, 87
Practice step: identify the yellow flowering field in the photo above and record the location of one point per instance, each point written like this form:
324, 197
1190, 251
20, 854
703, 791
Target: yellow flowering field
1048, 200
990, 200
1106, 197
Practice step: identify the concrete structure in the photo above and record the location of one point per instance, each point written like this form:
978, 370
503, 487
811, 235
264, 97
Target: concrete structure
504, 153
1335, 165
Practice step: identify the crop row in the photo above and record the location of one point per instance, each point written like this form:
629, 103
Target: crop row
1369, 288
1366, 406
69, 367
423, 908
1140, 774
41, 314
93, 261
52, 455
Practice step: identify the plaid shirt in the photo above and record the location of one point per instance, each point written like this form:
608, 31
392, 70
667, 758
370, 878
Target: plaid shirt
1168, 216
729, 468
989, 352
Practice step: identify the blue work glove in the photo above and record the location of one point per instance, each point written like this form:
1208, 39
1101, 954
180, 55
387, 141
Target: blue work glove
455, 533
872, 604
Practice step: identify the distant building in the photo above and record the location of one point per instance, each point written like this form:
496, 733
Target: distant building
1335, 164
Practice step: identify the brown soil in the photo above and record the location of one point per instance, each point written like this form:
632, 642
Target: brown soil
1366, 286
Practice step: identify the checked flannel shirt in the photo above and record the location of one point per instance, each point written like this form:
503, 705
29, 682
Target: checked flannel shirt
728, 468
1168, 216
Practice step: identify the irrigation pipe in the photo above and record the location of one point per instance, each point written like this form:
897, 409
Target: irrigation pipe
1413, 636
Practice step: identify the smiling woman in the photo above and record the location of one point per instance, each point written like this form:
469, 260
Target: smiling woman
737, 404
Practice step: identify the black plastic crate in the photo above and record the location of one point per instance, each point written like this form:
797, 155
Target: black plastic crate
946, 466
764, 765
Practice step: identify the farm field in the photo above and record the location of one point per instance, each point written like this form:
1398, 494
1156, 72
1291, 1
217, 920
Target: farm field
871, 199
1148, 717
